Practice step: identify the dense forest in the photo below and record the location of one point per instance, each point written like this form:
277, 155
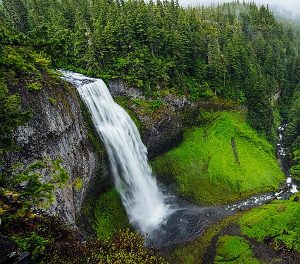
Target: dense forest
238, 52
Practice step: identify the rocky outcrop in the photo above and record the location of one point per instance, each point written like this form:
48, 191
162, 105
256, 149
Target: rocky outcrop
58, 130
161, 129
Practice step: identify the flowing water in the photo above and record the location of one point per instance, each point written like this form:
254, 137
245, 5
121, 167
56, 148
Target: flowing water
164, 219
143, 201
290, 187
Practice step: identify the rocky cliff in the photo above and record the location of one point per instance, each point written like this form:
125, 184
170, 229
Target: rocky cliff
162, 128
58, 130
61, 129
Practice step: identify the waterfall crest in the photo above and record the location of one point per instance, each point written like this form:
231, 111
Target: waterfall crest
143, 201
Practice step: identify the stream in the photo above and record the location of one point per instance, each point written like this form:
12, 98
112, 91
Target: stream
189, 221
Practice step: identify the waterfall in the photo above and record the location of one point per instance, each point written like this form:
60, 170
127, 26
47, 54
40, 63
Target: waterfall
141, 197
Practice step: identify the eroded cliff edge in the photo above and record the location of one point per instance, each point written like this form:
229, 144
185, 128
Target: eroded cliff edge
58, 130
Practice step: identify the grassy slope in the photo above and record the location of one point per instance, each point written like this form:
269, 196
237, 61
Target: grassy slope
110, 215
278, 222
205, 168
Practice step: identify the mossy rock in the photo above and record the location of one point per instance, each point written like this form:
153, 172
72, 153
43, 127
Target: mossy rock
234, 250
223, 161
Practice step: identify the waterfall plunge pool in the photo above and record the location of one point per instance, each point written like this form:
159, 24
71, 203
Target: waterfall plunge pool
162, 218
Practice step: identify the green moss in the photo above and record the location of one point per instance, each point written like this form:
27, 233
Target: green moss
147, 106
78, 183
35, 86
222, 161
32, 242
278, 222
234, 249
110, 215
52, 101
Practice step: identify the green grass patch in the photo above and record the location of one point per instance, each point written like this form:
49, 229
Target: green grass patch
110, 215
278, 222
222, 161
234, 249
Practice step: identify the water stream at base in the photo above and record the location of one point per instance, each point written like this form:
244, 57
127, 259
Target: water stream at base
164, 219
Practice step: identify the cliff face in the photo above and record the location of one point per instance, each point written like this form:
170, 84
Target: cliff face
161, 129
58, 130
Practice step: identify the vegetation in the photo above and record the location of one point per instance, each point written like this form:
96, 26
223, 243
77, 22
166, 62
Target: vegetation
276, 223
123, 247
110, 215
195, 250
292, 134
236, 51
26, 190
234, 249
34, 86
222, 161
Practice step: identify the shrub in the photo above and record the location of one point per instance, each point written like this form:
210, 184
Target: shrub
32, 243
35, 86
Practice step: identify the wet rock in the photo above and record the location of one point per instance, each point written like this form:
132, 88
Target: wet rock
8, 250
25, 258
58, 131
120, 88
164, 131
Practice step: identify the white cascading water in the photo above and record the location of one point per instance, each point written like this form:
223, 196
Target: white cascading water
133, 177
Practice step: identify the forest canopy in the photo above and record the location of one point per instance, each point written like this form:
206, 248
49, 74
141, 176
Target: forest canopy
237, 51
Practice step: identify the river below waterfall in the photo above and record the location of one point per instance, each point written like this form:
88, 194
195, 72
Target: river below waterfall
164, 219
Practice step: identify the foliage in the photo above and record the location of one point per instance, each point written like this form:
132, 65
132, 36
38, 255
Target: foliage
110, 215
32, 243
234, 249
194, 251
124, 247
24, 187
236, 51
18, 64
278, 222
147, 106
222, 161
11, 116
292, 133
35, 86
